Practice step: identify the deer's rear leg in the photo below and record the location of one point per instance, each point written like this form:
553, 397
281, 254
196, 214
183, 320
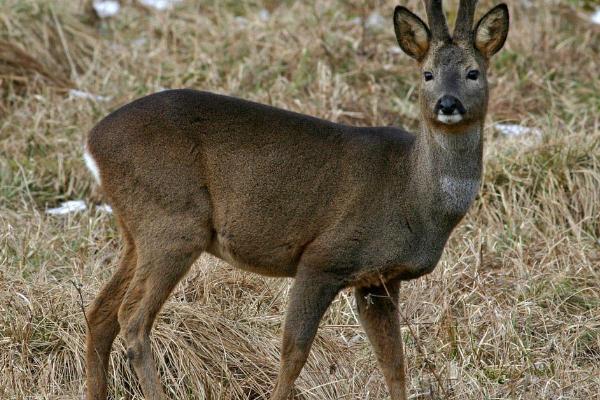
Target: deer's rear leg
309, 299
103, 323
378, 313
162, 262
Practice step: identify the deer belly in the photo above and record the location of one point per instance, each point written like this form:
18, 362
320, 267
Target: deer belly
278, 261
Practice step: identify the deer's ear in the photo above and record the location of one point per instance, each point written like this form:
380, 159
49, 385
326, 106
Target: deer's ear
412, 33
492, 30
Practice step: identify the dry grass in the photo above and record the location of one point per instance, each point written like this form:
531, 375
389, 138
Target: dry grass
513, 309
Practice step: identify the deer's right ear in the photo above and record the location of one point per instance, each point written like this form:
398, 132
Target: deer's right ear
412, 33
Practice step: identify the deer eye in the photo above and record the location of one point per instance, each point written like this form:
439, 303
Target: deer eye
473, 75
428, 76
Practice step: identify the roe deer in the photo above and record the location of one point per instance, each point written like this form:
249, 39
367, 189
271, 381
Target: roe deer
288, 195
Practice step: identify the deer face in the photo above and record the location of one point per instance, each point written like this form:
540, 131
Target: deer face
454, 87
454, 90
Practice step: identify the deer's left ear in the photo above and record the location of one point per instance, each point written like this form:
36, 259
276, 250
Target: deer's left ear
492, 30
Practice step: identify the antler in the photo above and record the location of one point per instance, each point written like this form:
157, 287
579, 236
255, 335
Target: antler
464, 20
437, 20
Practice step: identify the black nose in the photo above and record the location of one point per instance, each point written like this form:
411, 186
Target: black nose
448, 105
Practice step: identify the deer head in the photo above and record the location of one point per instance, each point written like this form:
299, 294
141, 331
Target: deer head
454, 88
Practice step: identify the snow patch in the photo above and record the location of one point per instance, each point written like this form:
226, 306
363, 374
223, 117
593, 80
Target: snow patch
515, 130
160, 5
68, 207
241, 21
375, 21
596, 17
74, 93
74, 206
104, 208
106, 8
139, 41
356, 21
264, 15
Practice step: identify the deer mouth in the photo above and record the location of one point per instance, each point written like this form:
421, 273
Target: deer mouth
451, 119
449, 110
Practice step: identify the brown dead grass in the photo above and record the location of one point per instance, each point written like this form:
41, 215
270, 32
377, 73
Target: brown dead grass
513, 309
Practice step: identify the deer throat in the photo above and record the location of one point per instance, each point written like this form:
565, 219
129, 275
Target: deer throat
453, 171
458, 193
468, 141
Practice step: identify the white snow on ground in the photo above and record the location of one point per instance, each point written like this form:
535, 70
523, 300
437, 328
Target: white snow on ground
514, 130
375, 21
264, 15
68, 207
106, 8
104, 208
596, 17
74, 93
74, 206
241, 21
519, 134
356, 21
139, 41
160, 5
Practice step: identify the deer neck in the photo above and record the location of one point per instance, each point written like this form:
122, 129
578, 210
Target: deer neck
448, 172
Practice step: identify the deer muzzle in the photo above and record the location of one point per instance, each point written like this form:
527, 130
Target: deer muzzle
449, 110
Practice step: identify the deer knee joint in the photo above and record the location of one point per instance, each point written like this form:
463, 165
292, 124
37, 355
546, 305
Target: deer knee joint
135, 350
132, 353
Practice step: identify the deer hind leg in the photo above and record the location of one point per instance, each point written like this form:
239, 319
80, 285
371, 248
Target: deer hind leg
309, 299
162, 262
103, 325
378, 313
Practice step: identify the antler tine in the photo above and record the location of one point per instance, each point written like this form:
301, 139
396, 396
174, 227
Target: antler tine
464, 20
437, 20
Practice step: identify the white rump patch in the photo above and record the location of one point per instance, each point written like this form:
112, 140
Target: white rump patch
90, 163
460, 192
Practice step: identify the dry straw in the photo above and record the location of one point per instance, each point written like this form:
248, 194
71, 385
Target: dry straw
511, 312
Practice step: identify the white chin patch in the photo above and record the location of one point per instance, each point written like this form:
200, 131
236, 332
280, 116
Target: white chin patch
450, 119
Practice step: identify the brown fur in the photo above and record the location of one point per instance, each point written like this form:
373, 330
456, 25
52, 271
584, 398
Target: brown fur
282, 194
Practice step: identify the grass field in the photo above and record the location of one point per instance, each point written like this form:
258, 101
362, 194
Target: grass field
511, 312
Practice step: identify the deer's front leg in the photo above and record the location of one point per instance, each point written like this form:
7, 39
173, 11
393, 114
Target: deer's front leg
309, 298
378, 313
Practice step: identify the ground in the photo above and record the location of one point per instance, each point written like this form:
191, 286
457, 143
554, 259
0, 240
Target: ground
512, 310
